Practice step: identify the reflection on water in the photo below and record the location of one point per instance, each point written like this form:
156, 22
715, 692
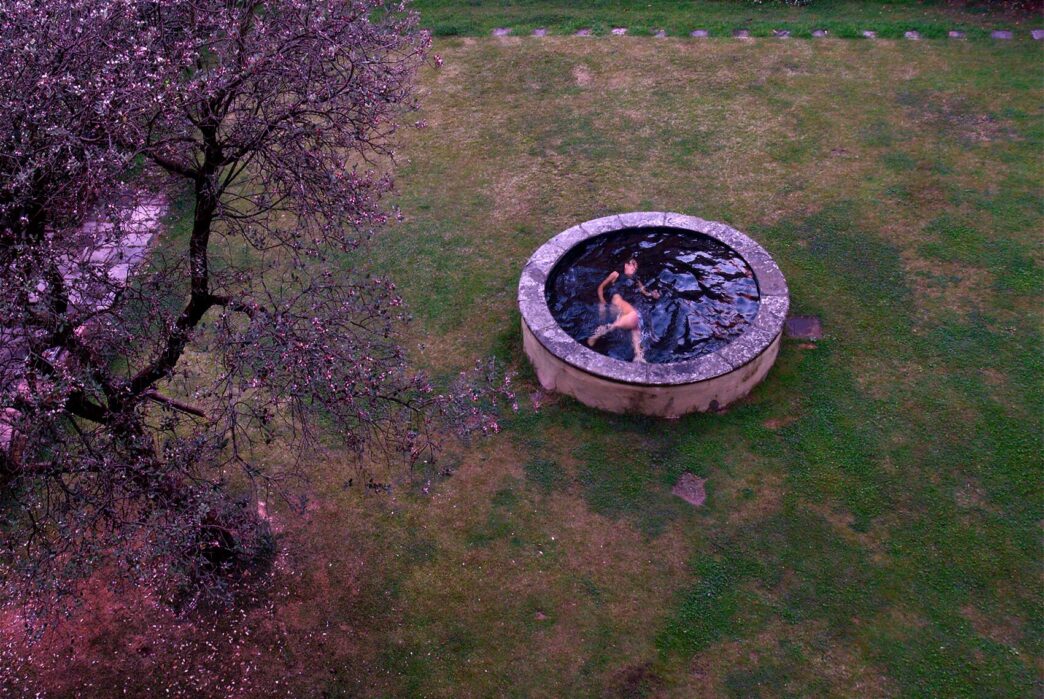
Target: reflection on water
708, 295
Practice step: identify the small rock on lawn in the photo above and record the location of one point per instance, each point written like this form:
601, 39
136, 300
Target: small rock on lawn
690, 489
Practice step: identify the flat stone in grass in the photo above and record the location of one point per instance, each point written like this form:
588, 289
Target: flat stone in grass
781, 33
912, 35
869, 34
819, 34
956, 34
618, 31
501, 31
803, 327
660, 34
741, 33
1002, 34
699, 33
540, 31
1037, 34
583, 32
690, 489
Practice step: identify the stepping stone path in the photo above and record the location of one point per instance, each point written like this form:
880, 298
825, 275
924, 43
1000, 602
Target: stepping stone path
912, 35
690, 488
803, 327
1037, 34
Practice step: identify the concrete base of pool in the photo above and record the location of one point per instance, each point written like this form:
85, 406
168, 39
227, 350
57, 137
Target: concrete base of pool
707, 383
644, 398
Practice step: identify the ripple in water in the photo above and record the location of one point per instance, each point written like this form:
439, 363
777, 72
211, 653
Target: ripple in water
707, 293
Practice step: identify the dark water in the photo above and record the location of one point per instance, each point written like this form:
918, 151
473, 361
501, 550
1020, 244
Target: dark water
708, 295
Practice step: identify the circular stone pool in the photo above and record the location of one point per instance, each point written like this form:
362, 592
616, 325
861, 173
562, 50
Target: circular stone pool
710, 300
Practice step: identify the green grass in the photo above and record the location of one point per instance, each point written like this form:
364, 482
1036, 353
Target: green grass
872, 517
842, 18
892, 516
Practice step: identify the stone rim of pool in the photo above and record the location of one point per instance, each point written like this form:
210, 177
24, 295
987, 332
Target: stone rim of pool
708, 382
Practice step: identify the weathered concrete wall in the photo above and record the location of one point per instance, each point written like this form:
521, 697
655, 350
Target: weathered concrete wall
647, 399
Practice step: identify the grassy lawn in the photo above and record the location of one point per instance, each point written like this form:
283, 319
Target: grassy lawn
872, 521
843, 18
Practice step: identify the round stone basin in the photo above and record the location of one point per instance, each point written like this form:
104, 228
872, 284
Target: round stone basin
727, 370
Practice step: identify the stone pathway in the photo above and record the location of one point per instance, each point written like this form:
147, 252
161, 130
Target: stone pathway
102, 254
912, 35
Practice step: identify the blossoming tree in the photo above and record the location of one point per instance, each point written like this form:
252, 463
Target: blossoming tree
136, 407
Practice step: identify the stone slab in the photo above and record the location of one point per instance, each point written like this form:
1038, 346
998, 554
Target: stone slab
540, 31
804, 327
699, 33
691, 489
1037, 34
781, 33
618, 31
956, 34
1002, 34
819, 33
912, 36
502, 31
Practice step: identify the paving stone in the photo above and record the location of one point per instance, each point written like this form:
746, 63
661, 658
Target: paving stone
501, 31
699, 33
741, 34
870, 34
955, 34
819, 34
781, 33
1002, 34
1037, 34
912, 36
660, 34
540, 31
618, 31
804, 327
584, 32
691, 489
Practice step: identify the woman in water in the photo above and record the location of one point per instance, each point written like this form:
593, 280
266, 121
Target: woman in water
623, 291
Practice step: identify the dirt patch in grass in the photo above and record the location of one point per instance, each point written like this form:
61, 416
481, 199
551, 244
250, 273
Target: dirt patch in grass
764, 665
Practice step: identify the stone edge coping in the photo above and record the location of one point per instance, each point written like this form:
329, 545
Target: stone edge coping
767, 325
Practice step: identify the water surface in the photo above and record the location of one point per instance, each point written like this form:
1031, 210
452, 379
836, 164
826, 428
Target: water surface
708, 295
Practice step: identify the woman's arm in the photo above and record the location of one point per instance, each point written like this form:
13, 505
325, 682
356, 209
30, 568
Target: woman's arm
606, 282
646, 292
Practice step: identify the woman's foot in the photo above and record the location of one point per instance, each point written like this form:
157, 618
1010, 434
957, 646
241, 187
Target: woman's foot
599, 331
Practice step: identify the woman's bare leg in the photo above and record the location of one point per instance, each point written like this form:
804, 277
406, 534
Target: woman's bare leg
599, 331
636, 341
627, 321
